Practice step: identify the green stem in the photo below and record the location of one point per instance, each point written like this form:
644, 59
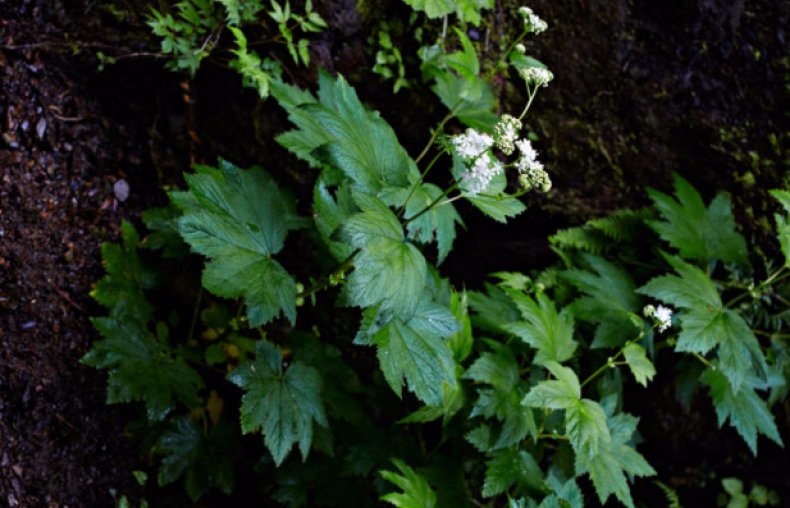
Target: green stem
439, 128
325, 281
532, 94
195, 314
419, 182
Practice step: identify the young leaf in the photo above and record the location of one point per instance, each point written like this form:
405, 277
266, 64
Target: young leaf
285, 405
331, 212
698, 233
707, 324
142, 368
162, 224
201, 457
744, 409
615, 458
413, 348
511, 466
545, 329
243, 220
416, 493
640, 366
387, 270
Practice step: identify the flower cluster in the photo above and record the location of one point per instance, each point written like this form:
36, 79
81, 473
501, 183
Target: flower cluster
473, 146
532, 21
506, 133
662, 316
483, 170
537, 76
533, 176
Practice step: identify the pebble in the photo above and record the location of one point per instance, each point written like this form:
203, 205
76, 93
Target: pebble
41, 127
121, 190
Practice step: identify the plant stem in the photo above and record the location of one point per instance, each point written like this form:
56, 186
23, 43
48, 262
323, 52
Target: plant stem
532, 94
195, 314
417, 184
325, 281
439, 128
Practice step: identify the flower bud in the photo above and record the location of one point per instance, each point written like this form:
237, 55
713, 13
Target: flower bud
521, 48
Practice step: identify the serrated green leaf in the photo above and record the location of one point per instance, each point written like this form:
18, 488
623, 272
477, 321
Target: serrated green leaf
640, 366
697, 232
495, 203
415, 491
331, 212
345, 135
121, 288
508, 467
560, 393
142, 368
493, 309
500, 370
585, 425
544, 328
707, 324
201, 457
615, 458
243, 221
412, 347
387, 270
744, 409
284, 404
610, 301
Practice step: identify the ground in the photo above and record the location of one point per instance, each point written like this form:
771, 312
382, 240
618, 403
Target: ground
642, 90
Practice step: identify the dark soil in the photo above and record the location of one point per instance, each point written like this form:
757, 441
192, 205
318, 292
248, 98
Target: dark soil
642, 89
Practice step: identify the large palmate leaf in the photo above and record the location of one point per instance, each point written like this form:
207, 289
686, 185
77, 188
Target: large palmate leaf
744, 409
412, 347
339, 131
242, 221
142, 368
387, 269
697, 232
706, 324
284, 404
495, 203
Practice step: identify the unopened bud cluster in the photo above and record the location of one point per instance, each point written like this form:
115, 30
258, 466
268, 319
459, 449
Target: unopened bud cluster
506, 133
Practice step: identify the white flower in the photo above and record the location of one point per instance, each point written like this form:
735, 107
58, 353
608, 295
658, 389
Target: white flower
472, 144
477, 177
663, 316
537, 76
536, 24
529, 157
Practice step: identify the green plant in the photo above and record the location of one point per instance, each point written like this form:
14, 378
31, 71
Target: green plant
441, 396
191, 33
